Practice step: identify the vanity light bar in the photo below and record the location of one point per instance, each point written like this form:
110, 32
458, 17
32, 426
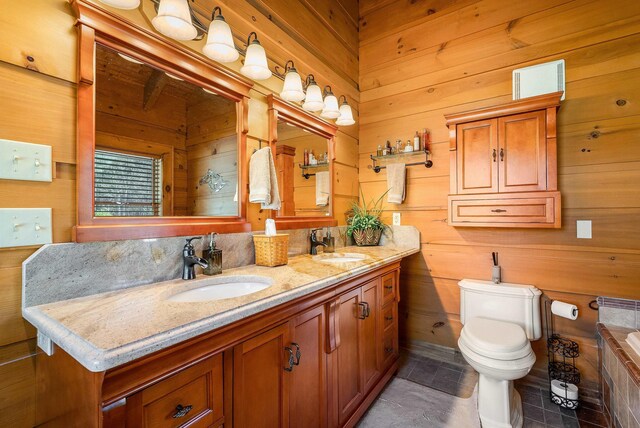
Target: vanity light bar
220, 47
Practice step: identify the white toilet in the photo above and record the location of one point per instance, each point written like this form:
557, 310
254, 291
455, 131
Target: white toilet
499, 321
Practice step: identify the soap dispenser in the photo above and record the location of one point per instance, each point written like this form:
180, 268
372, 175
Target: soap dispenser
213, 256
330, 242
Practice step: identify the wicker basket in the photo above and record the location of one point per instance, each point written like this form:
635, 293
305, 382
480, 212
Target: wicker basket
271, 250
367, 237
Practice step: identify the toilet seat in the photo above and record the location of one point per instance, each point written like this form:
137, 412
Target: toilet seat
496, 340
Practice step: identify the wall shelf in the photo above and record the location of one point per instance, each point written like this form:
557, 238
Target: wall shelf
304, 168
428, 163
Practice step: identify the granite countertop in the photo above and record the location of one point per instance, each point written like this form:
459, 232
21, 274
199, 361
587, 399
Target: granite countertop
105, 330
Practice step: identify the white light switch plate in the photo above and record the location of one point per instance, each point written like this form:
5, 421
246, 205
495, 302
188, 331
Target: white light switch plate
20, 227
397, 219
25, 161
584, 229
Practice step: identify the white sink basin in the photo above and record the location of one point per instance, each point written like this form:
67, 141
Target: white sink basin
223, 288
340, 257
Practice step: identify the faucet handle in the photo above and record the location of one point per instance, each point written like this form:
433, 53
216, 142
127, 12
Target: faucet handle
188, 247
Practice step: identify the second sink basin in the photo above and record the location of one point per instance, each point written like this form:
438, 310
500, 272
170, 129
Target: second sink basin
223, 288
340, 257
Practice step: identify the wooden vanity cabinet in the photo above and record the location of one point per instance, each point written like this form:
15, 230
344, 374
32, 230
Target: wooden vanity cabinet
317, 361
504, 165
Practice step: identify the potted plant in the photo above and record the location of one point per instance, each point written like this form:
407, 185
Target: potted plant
364, 223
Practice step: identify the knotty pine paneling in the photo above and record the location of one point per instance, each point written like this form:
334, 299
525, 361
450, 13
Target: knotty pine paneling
39, 106
422, 59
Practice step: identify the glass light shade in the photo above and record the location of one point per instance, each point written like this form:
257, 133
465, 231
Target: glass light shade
313, 99
330, 110
255, 62
219, 46
174, 20
122, 4
292, 89
128, 58
346, 115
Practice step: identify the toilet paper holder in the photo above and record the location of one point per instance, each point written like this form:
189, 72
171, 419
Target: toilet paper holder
562, 353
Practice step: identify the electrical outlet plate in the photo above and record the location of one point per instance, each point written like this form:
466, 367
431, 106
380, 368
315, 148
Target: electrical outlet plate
21, 227
583, 228
25, 161
396, 219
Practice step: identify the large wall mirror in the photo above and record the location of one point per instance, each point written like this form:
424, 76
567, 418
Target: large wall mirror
161, 136
303, 147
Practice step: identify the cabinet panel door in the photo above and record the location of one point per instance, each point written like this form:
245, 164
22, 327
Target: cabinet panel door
349, 361
260, 383
477, 147
522, 152
308, 394
371, 334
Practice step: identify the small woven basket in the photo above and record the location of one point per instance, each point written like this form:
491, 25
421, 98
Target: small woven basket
367, 237
271, 250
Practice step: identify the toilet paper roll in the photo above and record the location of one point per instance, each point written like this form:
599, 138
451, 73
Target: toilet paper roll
565, 310
565, 390
270, 227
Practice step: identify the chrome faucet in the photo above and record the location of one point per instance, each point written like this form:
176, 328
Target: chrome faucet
314, 242
189, 260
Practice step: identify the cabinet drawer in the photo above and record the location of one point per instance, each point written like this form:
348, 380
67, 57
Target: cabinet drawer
389, 287
190, 398
389, 315
540, 209
390, 347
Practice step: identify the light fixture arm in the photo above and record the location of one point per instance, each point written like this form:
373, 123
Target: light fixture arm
326, 91
288, 67
340, 98
255, 40
213, 13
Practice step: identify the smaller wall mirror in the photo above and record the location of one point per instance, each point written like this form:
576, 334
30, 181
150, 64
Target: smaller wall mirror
303, 148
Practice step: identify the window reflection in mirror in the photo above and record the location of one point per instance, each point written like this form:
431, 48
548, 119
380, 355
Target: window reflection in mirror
164, 146
303, 179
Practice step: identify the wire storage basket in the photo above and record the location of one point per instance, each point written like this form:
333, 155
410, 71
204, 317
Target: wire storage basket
564, 376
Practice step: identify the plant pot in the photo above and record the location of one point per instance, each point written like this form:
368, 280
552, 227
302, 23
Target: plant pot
367, 237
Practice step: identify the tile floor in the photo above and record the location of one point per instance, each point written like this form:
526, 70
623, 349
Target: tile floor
449, 373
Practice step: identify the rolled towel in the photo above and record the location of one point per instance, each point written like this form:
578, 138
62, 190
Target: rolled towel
263, 182
396, 183
322, 188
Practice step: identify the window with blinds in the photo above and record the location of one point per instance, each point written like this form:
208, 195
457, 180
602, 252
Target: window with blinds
127, 185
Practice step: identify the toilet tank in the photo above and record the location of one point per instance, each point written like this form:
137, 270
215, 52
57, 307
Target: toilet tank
516, 303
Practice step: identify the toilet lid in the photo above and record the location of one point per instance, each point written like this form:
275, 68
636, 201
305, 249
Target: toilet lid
495, 339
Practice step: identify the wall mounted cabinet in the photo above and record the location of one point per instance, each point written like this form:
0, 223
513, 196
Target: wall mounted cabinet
504, 165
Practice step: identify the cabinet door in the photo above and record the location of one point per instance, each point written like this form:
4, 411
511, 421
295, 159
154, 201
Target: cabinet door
349, 361
522, 152
371, 336
477, 157
308, 394
260, 382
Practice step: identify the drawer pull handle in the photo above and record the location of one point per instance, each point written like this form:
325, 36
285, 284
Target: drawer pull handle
389, 287
363, 312
367, 310
298, 353
495, 154
182, 411
498, 211
388, 318
501, 155
291, 360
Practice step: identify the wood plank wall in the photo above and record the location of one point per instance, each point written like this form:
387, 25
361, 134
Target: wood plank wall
420, 59
38, 105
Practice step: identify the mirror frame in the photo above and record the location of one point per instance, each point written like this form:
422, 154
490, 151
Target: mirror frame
98, 25
280, 109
